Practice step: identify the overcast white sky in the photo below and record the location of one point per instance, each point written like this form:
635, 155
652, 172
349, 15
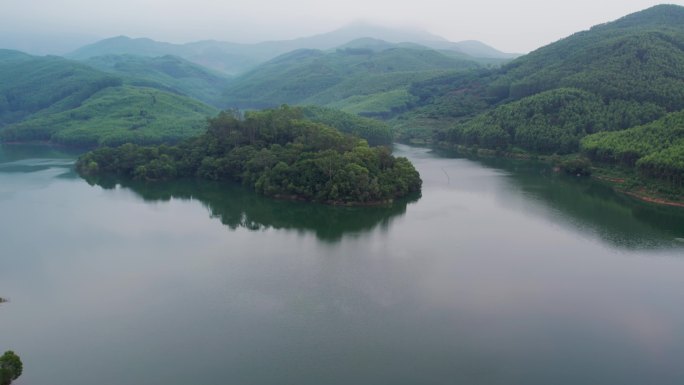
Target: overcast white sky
511, 26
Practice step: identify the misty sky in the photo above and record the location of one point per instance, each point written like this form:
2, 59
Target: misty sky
511, 26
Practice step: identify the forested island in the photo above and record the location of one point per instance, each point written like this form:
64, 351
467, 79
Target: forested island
607, 101
277, 152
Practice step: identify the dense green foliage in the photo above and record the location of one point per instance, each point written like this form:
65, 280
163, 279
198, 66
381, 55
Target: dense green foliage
276, 152
167, 73
374, 131
11, 367
381, 104
605, 88
629, 72
552, 121
49, 84
576, 166
639, 57
57, 100
358, 80
655, 149
117, 115
453, 95
442, 101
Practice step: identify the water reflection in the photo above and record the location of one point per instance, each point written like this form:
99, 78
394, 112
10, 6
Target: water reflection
589, 206
237, 207
27, 158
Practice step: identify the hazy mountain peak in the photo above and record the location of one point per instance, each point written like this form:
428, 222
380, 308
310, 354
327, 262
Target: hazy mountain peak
369, 43
123, 45
233, 58
360, 29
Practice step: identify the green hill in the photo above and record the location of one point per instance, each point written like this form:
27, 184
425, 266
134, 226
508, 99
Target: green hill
117, 115
372, 130
359, 80
168, 73
612, 77
29, 84
639, 57
656, 149
614, 92
58, 100
550, 122
228, 58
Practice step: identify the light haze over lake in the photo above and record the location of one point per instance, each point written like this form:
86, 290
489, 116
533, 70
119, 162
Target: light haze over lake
497, 274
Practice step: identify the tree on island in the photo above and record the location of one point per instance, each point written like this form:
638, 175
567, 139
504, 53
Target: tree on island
277, 153
10, 367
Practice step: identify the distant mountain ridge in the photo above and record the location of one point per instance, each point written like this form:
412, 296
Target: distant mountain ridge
369, 77
235, 58
166, 73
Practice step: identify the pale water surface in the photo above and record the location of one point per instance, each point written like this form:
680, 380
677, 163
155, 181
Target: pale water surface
501, 273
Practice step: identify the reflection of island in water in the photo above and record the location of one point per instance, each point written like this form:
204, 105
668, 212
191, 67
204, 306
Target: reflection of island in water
237, 207
590, 206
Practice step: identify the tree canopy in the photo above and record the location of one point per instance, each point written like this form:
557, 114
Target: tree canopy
276, 152
11, 367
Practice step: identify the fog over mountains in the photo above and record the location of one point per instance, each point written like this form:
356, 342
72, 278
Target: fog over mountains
234, 58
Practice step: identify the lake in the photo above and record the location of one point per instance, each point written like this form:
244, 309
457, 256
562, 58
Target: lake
502, 272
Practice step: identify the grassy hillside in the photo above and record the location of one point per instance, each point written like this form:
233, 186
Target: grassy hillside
168, 73
58, 100
360, 80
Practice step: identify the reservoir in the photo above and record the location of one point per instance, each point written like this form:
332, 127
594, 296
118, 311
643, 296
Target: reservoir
501, 272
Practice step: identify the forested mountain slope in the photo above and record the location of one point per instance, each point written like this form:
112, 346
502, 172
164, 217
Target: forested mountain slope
50, 84
639, 57
361, 80
54, 99
614, 93
167, 73
656, 149
611, 77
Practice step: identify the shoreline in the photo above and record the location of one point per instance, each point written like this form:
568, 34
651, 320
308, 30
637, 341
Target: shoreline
638, 194
614, 183
45, 143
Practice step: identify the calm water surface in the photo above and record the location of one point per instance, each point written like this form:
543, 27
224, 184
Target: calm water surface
501, 273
